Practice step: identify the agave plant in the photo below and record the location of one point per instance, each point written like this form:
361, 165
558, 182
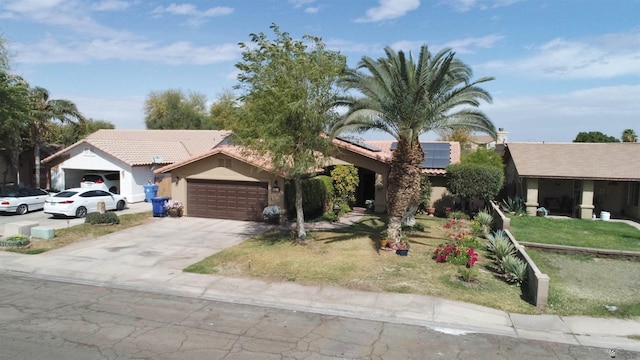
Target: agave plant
492, 237
501, 247
515, 270
514, 205
486, 220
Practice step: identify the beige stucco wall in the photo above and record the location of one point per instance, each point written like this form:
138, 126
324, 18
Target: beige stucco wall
210, 169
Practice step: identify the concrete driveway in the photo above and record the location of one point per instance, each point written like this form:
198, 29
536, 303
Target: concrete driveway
162, 247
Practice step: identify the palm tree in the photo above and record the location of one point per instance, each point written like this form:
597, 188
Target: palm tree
628, 135
42, 115
405, 99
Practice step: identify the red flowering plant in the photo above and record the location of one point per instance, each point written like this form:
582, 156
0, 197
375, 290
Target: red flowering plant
460, 249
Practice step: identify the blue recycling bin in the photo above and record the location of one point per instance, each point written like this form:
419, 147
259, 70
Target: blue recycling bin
158, 206
150, 191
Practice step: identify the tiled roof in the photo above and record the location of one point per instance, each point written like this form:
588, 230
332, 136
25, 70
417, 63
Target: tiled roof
139, 147
597, 161
233, 151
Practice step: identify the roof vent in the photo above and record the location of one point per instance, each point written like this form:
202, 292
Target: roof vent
157, 159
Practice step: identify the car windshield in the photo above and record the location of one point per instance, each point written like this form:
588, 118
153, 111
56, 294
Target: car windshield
66, 194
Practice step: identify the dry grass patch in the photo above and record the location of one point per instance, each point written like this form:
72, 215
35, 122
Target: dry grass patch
350, 258
70, 235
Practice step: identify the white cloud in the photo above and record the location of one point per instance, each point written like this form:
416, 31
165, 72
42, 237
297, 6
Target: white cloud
389, 10
312, 10
191, 10
466, 5
51, 51
111, 5
606, 56
560, 117
301, 3
463, 46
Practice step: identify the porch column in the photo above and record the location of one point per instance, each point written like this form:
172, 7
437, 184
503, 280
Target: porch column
531, 201
586, 208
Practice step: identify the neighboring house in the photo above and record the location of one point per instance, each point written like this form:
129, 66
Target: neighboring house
133, 154
575, 179
488, 142
225, 183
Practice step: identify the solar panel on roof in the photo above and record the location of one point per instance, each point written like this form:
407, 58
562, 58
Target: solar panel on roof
359, 143
437, 155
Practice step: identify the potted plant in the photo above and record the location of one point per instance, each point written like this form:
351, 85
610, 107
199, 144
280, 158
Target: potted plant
174, 208
402, 247
271, 214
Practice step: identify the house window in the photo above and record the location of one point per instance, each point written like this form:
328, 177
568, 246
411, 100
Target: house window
634, 194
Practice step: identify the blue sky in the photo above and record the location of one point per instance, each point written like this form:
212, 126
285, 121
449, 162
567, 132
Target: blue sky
561, 66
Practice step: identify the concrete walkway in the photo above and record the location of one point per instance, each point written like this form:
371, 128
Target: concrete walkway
151, 258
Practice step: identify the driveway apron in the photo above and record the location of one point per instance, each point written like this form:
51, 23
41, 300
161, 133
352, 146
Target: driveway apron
162, 247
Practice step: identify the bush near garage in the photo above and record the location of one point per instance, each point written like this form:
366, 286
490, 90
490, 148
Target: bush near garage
314, 193
108, 217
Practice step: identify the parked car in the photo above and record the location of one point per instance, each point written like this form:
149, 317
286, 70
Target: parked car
21, 200
109, 181
79, 202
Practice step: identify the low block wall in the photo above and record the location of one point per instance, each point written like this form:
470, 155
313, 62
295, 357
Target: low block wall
537, 282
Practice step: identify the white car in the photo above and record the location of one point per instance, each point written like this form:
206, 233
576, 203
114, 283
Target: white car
22, 200
79, 202
107, 181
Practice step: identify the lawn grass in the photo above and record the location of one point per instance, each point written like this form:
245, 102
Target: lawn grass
583, 285
350, 258
72, 234
576, 232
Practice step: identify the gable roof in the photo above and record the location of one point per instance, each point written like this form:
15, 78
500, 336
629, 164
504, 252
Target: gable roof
595, 161
139, 147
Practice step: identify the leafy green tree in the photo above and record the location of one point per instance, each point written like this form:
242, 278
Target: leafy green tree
67, 134
43, 113
628, 135
288, 92
406, 98
172, 109
14, 108
594, 137
484, 156
224, 112
474, 181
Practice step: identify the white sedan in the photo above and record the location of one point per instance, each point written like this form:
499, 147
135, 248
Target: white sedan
79, 202
22, 200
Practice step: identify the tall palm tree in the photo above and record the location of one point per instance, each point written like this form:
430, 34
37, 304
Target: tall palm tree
44, 112
405, 99
628, 135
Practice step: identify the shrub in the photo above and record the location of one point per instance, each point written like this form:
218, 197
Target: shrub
515, 270
314, 193
501, 247
15, 241
456, 254
108, 217
474, 180
457, 215
271, 214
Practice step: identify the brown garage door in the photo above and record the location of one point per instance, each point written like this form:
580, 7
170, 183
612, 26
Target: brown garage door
236, 200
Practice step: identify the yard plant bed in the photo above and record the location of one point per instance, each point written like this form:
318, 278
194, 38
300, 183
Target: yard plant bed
350, 258
576, 232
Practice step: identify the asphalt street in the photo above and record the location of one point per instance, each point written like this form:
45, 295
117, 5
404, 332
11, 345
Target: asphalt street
45, 319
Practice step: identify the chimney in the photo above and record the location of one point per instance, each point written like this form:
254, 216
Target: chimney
501, 137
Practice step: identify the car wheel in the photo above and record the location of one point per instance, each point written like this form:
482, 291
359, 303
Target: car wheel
22, 209
113, 190
120, 205
81, 212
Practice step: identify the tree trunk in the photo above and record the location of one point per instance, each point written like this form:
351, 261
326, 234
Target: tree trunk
403, 187
302, 233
